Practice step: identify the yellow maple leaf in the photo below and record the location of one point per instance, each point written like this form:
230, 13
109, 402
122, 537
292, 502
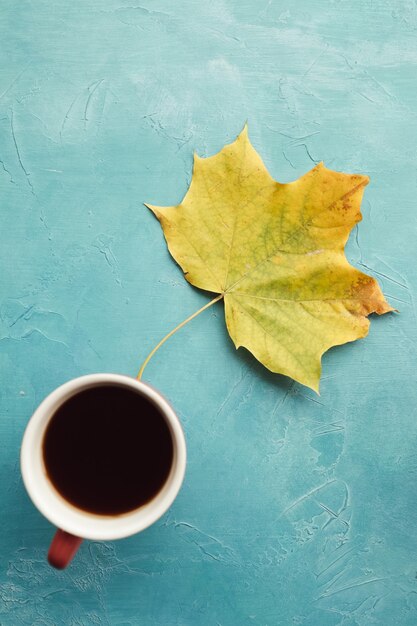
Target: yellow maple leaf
275, 253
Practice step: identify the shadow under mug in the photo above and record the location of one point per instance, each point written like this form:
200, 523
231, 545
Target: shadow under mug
74, 524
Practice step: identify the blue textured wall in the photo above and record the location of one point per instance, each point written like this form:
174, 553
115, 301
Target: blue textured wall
296, 509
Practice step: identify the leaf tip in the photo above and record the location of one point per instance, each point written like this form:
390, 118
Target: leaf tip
314, 385
155, 209
386, 308
244, 133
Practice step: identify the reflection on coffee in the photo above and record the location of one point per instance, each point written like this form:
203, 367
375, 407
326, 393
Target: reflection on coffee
108, 450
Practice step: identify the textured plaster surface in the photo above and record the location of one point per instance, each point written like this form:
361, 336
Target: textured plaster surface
296, 509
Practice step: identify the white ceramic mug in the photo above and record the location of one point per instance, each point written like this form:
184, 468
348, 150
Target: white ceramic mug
74, 524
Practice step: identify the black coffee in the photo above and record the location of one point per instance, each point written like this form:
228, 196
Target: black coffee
108, 450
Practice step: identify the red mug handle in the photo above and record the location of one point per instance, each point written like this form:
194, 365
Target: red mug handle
63, 548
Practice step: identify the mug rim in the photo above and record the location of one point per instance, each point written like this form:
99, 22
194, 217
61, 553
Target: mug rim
62, 513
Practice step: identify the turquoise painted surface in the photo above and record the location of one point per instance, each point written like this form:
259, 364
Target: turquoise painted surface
296, 509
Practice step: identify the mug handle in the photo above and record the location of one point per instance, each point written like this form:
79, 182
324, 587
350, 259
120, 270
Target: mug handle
63, 548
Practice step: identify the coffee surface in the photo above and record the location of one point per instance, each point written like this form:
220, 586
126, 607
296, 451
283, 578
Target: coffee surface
108, 450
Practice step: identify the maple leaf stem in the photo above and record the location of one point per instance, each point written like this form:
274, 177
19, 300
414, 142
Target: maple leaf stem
172, 332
